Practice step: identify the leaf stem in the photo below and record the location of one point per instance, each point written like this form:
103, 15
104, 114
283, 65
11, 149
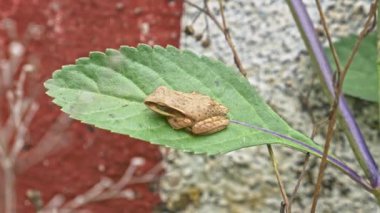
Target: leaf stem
278, 177
334, 161
319, 59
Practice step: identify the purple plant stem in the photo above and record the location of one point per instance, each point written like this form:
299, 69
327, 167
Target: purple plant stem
335, 161
357, 141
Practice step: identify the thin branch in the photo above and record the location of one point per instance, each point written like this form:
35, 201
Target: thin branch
105, 189
9, 186
224, 30
90, 195
196, 17
279, 181
52, 141
305, 163
363, 33
300, 178
320, 62
20, 121
228, 37
329, 39
207, 27
118, 187
3, 154
148, 177
20, 137
16, 101
334, 111
223, 27
207, 12
22, 110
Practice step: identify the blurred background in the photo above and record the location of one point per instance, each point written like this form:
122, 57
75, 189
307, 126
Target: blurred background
53, 162
61, 159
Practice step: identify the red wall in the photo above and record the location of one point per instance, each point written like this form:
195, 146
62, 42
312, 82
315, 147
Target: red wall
66, 30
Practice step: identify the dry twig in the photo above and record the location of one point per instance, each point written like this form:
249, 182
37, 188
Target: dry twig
338, 91
105, 189
224, 28
305, 163
285, 202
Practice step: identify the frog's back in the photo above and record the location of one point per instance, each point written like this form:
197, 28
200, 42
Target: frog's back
199, 107
193, 105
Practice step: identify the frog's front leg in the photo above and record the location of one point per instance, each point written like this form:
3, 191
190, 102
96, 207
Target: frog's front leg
179, 122
210, 125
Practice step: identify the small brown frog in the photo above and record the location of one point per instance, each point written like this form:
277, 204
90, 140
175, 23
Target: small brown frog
197, 113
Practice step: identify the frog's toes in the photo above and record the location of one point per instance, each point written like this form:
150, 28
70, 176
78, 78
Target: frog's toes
180, 122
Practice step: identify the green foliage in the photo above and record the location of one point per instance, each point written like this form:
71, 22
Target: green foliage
362, 79
108, 90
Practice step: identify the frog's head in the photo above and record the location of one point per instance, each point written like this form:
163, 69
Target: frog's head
160, 101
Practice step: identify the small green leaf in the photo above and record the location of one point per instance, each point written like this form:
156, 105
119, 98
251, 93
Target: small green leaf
108, 90
362, 79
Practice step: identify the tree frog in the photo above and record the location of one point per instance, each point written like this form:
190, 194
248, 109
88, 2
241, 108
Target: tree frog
197, 113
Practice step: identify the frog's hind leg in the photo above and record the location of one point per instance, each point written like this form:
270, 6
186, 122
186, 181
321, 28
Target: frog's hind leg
180, 122
210, 125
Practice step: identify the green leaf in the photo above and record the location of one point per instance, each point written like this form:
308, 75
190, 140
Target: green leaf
362, 79
108, 90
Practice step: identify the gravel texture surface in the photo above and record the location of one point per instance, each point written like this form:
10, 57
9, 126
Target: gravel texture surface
273, 52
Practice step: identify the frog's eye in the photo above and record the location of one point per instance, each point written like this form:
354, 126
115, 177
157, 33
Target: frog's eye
163, 108
168, 110
159, 108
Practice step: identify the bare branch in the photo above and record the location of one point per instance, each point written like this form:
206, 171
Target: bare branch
285, 203
105, 189
223, 27
20, 137
228, 37
334, 111
54, 139
224, 30
329, 39
22, 110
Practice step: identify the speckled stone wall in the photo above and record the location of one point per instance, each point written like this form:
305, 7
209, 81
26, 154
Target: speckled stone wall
272, 50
